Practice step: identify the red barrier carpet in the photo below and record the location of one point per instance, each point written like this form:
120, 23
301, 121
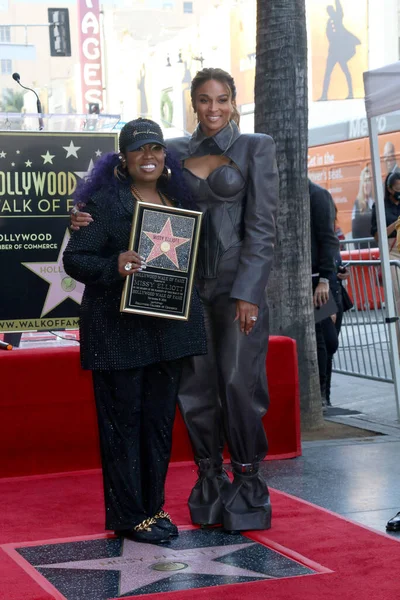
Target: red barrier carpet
48, 418
351, 562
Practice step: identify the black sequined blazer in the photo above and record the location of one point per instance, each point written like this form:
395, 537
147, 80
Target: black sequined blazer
111, 340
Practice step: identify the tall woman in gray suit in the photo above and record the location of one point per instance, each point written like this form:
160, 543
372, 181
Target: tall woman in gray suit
223, 396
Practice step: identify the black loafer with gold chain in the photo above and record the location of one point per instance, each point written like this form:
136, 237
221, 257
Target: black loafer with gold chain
164, 521
147, 532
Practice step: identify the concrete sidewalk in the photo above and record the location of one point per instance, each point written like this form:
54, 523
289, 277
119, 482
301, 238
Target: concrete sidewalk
373, 403
358, 477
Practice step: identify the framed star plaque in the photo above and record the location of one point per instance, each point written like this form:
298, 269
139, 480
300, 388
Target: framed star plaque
167, 238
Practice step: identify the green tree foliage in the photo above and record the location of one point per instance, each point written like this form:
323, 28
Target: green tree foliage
12, 101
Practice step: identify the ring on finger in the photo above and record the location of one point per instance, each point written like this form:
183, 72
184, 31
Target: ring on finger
128, 266
254, 319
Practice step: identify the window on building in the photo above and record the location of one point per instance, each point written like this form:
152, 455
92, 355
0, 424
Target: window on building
6, 66
5, 34
188, 7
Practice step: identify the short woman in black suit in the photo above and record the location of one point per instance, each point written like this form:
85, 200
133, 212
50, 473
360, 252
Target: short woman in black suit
135, 360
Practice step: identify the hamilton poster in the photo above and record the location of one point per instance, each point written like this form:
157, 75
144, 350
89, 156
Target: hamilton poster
339, 44
39, 172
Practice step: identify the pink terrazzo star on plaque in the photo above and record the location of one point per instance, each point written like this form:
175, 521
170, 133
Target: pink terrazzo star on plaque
61, 285
143, 564
165, 243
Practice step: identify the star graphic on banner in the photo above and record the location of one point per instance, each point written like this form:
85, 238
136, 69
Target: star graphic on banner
83, 174
165, 243
72, 150
28, 163
3, 154
18, 152
61, 285
142, 564
98, 153
47, 158
13, 164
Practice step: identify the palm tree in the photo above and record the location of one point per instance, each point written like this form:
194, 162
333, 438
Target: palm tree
12, 101
281, 110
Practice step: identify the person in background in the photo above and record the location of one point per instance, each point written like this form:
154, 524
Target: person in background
324, 249
392, 209
389, 157
392, 216
394, 523
331, 326
362, 209
136, 361
339, 232
223, 397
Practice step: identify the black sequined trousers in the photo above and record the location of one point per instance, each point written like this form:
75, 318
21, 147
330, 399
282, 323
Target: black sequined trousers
135, 411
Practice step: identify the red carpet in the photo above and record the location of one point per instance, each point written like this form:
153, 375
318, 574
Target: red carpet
359, 563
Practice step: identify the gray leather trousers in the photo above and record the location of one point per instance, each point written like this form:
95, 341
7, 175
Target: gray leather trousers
223, 397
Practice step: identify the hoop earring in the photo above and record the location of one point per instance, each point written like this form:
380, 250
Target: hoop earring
167, 173
119, 174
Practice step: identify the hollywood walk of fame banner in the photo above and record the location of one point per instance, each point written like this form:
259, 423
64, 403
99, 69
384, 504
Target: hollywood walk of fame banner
39, 172
167, 238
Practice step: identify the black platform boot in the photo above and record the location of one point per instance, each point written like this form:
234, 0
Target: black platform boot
247, 503
205, 500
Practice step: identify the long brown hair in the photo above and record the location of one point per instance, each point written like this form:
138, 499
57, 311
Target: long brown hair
218, 75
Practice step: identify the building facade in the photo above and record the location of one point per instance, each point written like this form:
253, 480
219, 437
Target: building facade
138, 57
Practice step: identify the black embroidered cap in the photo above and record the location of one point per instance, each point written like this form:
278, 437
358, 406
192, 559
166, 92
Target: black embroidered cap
139, 132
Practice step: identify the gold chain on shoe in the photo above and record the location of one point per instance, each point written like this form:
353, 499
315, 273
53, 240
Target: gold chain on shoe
145, 525
163, 515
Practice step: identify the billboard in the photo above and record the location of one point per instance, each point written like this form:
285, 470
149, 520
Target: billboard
38, 176
344, 168
339, 47
243, 50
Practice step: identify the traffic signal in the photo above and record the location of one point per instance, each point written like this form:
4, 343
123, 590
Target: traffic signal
94, 108
60, 39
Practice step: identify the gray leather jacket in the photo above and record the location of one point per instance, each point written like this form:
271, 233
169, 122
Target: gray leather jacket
239, 202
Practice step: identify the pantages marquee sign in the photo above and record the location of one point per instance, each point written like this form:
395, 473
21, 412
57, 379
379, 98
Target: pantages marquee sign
90, 53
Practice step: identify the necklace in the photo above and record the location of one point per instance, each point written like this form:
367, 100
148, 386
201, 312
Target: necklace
136, 193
